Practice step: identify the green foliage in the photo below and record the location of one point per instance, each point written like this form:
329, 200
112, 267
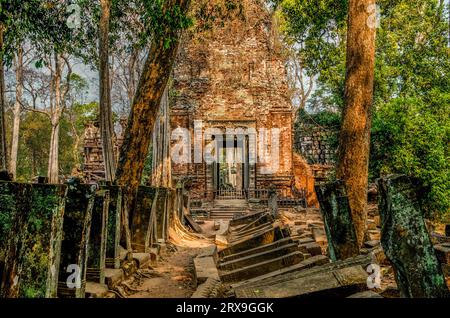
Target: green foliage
160, 19
34, 141
412, 137
412, 81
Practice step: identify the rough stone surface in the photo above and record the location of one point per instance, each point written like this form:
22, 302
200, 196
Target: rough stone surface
230, 73
76, 232
405, 239
96, 262
205, 268
337, 217
113, 226
338, 283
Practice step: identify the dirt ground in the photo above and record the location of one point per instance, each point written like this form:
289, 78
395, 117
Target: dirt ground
173, 276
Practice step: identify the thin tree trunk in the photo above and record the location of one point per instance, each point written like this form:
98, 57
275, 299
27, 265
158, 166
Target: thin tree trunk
53, 158
354, 142
106, 123
145, 107
16, 114
3, 146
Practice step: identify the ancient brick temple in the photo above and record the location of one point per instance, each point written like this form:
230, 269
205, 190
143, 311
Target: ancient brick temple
230, 90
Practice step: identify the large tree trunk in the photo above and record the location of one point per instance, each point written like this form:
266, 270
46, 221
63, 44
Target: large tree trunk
53, 158
106, 123
3, 147
145, 107
353, 160
16, 113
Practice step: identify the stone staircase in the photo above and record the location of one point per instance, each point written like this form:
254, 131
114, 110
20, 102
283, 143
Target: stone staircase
228, 209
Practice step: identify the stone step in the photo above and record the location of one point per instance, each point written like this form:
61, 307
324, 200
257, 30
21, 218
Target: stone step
303, 265
265, 237
261, 268
258, 249
258, 257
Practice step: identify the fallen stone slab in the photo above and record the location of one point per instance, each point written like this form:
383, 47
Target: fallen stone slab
261, 268
406, 241
265, 218
31, 226
361, 260
76, 232
258, 257
192, 224
144, 259
258, 249
96, 260
266, 237
311, 248
305, 240
234, 237
303, 265
205, 268
335, 208
338, 283
245, 219
113, 277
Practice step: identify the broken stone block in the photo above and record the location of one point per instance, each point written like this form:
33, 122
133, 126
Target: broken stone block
142, 259
266, 237
113, 277
113, 226
245, 219
194, 225
31, 233
239, 236
264, 219
312, 248
258, 257
96, 262
361, 260
303, 265
341, 282
205, 268
76, 231
261, 268
405, 239
258, 249
335, 208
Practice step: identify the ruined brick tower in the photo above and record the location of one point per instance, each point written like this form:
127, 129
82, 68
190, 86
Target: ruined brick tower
230, 74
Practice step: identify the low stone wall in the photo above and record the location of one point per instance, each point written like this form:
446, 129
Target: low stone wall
55, 238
